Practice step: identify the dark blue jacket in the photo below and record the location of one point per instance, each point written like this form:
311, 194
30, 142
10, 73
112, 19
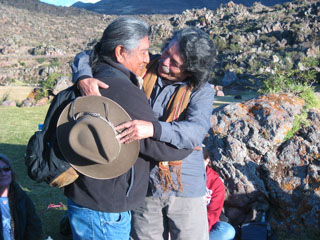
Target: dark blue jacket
188, 132
27, 224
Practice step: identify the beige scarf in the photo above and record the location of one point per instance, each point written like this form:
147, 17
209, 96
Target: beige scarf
176, 108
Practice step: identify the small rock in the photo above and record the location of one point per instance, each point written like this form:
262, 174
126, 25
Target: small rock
27, 102
9, 103
41, 102
62, 83
275, 58
229, 78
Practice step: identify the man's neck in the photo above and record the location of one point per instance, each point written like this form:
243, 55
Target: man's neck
166, 82
124, 70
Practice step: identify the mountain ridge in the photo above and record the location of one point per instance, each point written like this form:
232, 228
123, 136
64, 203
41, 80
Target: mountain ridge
253, 42
37, 6
159, 6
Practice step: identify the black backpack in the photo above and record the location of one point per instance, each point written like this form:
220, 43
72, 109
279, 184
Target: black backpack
256, 230
43, 158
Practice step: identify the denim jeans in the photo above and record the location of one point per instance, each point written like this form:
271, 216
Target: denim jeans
88, 224
222, 231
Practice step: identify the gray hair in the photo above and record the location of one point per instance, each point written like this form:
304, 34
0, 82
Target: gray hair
124, 31
198, 52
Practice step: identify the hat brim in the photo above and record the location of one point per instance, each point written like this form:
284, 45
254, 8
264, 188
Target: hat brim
116, 115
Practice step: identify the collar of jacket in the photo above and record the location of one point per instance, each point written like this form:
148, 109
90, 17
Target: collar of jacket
123, 69
182, 83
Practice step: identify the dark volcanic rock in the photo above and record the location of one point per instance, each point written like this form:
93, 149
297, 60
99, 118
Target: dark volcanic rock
262, 170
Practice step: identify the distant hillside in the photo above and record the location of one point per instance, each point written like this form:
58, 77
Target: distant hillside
82, 5
253, 42
37, 6
161, 6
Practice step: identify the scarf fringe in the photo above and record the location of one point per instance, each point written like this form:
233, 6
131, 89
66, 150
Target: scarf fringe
166, 181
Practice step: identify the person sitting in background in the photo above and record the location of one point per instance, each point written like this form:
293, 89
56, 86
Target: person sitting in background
18, 214
218, 230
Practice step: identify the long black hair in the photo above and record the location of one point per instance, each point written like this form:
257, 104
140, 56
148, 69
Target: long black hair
11, 197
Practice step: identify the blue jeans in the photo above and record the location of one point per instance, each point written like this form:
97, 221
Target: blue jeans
88, 224
222, 231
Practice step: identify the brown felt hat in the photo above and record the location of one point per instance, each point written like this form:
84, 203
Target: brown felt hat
87, 139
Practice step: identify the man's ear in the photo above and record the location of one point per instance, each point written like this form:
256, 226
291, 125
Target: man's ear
119, 51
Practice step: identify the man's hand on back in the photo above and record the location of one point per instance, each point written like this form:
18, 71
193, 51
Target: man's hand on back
90, 86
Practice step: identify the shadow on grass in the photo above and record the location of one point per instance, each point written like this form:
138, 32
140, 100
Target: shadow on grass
233, 97
41, 193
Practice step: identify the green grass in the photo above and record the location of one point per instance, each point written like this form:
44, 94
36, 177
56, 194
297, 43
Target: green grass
16, 127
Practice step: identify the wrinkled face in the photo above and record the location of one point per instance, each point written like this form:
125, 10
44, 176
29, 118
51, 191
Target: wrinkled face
137, 59
5, 174
171, 63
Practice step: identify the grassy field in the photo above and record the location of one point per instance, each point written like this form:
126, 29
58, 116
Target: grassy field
16, 127
16, 93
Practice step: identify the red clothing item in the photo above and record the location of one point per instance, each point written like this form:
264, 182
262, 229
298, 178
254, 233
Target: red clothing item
214, 196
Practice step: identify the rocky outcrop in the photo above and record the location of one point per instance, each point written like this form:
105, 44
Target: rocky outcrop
8, 103
157, 6
46, 51
263, 170
61, 84
252, 42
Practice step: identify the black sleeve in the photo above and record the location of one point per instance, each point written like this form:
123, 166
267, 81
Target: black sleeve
29, 225
134, 101
33, 225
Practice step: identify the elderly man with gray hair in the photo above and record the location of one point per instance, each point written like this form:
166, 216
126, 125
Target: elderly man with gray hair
176, 85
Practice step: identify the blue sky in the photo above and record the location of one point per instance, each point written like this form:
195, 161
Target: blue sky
67, 3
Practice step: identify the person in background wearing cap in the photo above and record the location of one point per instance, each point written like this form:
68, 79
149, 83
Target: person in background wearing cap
19, 219
100, 208
176, 81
